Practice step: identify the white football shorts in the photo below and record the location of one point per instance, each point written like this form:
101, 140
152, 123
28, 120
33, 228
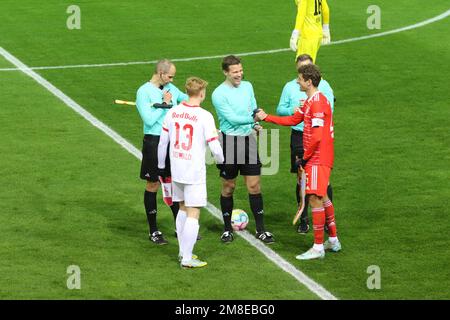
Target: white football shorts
193, 195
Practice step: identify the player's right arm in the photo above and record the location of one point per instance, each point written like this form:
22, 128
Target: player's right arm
293, 120
226, 111
325, 12
144, 104
299, 21
301, 15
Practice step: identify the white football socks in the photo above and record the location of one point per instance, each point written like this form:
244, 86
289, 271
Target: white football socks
179, 223
318, 247
189, 238
332, 239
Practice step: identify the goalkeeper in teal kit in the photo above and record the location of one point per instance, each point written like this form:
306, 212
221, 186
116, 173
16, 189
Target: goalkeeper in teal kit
234, 101
291, 99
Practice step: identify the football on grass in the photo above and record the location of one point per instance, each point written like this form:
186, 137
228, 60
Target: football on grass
239, 219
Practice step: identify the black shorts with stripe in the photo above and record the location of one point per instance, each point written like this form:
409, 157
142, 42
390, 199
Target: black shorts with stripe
241, 156
149, 164
296, 148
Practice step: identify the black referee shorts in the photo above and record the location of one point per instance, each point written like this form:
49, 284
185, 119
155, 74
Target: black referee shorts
296, 148
241, 156
149, 164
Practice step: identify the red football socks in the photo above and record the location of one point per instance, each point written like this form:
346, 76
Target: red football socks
318, 216
331, 222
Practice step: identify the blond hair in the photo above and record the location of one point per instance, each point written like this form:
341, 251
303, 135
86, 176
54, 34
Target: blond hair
194, 86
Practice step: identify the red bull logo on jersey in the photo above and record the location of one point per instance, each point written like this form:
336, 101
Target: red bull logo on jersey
184, 115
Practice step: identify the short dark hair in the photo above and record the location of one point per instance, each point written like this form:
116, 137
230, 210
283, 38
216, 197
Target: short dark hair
229, 61
304, 57
311, 72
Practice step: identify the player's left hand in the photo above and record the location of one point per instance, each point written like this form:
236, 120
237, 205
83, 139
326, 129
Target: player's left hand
326, 36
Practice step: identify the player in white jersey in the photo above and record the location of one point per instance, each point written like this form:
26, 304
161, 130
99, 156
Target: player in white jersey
189, 128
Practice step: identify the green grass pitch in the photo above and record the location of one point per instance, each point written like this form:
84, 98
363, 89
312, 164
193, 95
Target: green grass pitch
69, 195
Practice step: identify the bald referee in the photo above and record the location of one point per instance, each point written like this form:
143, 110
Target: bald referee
152, 101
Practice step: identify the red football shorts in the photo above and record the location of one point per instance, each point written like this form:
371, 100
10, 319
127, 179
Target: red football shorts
317, 179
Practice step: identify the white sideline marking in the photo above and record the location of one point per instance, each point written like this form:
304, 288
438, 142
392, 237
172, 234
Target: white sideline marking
277, 259
270, 254
118, 64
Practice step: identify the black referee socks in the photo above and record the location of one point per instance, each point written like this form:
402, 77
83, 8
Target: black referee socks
226, 204
150, 210
256, 204
175, 207
297, 192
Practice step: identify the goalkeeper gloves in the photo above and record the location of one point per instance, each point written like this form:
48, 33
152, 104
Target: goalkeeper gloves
326, 37
294, 40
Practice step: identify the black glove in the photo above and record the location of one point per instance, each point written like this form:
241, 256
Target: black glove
163, 105
255, 112
162, 173
300, 163
221, 166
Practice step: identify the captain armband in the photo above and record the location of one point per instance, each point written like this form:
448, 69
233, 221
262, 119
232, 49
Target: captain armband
316, 122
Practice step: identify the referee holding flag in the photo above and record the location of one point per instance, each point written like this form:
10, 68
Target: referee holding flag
152, 101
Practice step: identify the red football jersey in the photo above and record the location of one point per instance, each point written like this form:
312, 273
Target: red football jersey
318, 134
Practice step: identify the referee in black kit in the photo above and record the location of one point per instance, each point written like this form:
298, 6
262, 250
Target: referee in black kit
152, 101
